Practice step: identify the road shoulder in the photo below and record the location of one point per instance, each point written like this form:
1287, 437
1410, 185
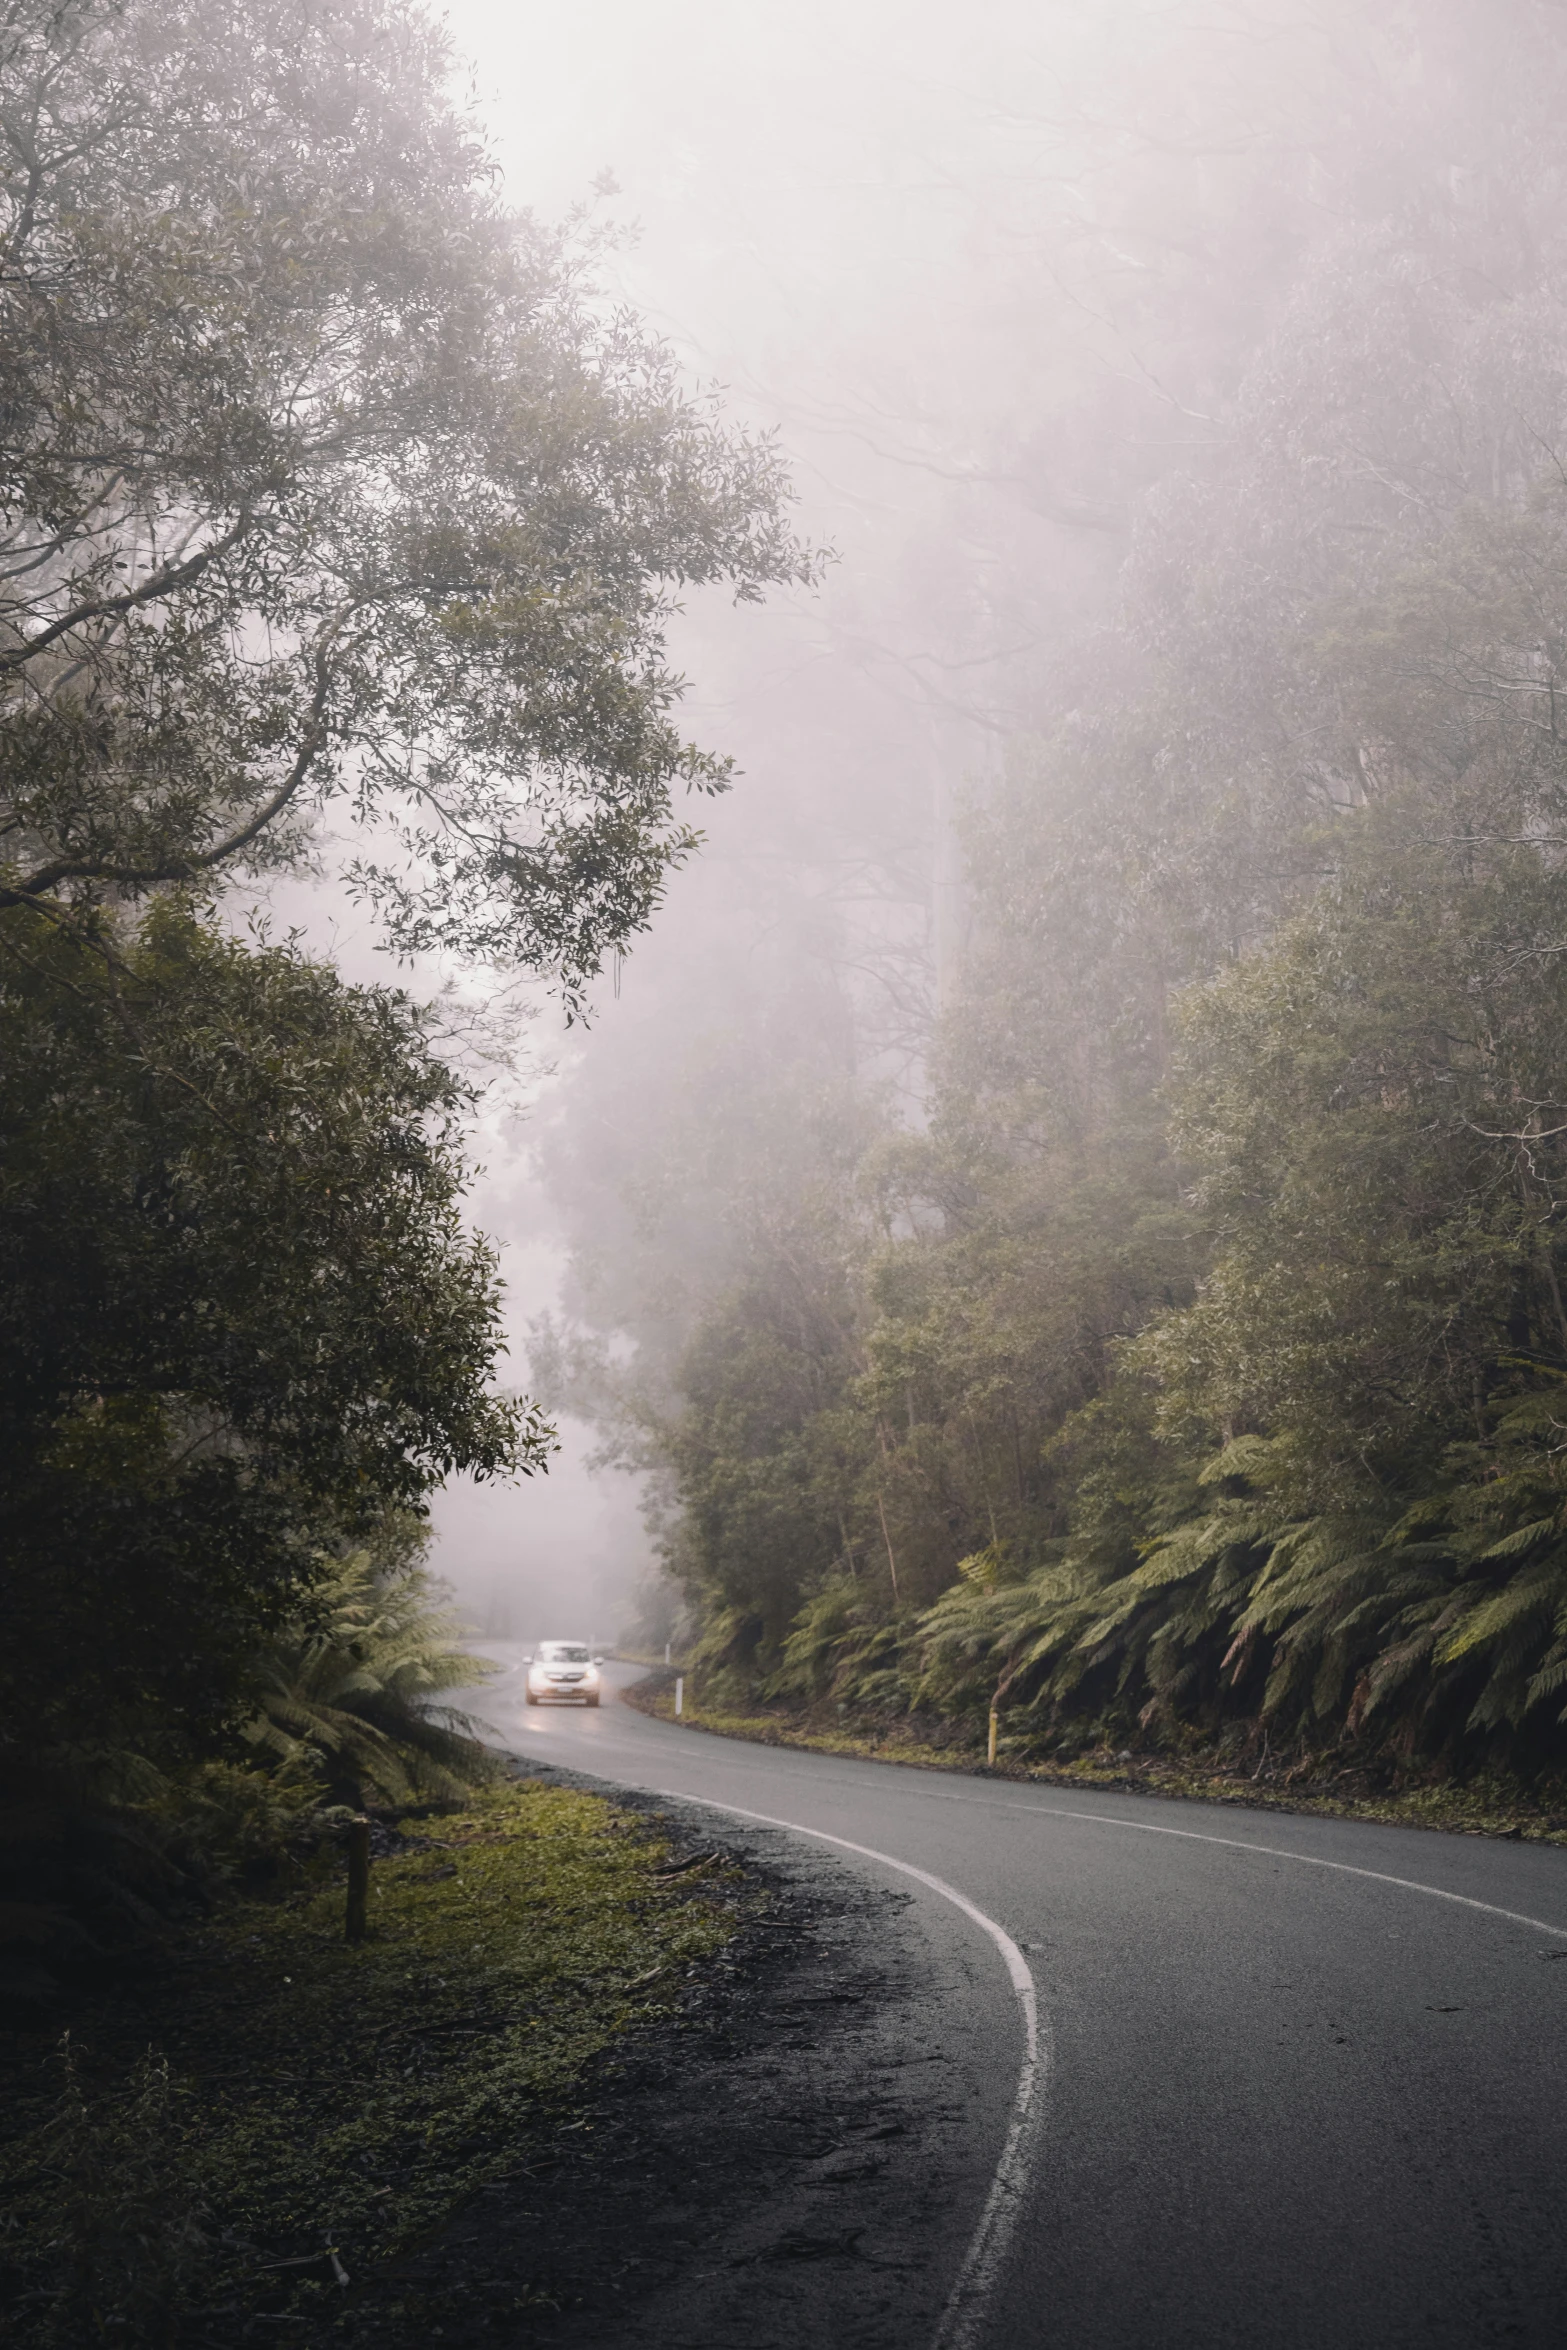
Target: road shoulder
791, 2161
1493, 1806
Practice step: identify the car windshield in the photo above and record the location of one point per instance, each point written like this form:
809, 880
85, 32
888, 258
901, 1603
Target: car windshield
563, 1652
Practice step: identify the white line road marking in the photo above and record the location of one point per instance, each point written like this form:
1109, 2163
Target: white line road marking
1307, 1860
963, 2320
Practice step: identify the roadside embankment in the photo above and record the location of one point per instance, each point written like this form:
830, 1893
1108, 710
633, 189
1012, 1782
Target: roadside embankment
1328, 1785
608, 2073
263, 2122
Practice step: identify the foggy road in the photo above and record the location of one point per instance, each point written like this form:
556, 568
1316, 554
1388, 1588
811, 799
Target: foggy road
1301, 2080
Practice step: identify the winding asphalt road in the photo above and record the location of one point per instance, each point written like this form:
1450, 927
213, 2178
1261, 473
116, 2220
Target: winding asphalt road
1300, 2081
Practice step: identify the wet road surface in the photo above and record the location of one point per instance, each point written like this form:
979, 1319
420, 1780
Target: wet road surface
1302, 2080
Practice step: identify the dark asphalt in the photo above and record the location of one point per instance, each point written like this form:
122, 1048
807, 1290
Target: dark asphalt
1284, 2105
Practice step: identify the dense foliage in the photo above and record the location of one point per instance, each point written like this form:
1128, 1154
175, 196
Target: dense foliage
239, 1307
326, 476
354, 1694
1197, 1355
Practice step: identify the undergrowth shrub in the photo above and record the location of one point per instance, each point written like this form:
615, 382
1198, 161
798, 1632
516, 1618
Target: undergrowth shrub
126, 2224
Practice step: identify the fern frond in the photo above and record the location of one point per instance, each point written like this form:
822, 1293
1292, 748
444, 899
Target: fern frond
1514, 1545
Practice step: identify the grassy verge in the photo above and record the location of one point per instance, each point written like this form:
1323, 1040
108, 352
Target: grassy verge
1485, 1806
310, 2108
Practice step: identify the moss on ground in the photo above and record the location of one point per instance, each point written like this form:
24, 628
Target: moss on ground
314, 2108
1488, 1805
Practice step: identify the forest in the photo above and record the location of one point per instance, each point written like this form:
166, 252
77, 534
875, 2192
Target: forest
1092, 1261
985, 757
1156, 1332
332, 490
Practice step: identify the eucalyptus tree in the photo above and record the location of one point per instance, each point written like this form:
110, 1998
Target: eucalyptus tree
326, 482
327, 477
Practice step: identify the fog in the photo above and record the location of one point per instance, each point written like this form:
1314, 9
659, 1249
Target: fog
822, 217
805, 203
992, 275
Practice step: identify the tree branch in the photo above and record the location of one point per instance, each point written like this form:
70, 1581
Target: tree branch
159, 583
49, 877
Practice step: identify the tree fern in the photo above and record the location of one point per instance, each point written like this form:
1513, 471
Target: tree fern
355, 1688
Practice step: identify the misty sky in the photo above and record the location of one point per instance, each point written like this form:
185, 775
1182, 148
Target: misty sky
817, 197
886, 231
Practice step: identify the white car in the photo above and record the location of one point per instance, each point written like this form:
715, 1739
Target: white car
565, 1671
